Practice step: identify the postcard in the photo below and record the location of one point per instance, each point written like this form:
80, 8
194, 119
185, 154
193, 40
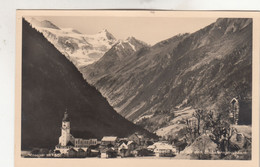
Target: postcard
137, 88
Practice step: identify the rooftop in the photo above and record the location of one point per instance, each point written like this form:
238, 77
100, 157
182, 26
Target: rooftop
109, 138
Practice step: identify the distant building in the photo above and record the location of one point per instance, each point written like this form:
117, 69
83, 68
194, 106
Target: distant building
163, 149
131, 145
127, 149
79, 142
123, 150
138, 139
106, 140
122, 140
72, 152
108, 153
81, 153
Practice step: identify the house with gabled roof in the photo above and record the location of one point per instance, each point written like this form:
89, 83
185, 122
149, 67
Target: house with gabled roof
72, 152
138, 139
106, 140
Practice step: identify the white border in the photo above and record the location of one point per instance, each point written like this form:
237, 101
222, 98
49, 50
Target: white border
22, 162
7, 43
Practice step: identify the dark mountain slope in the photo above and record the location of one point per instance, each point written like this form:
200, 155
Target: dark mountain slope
50, 85
205, 69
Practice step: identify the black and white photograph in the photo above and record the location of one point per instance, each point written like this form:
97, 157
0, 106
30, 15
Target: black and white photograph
166, 87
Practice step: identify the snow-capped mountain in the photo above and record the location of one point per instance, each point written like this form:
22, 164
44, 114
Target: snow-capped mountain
119, 54
81, 49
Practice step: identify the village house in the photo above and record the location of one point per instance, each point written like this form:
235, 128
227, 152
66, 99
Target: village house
108, 153
163, 149
81, 153
122, 140
123, 150
132, 145
138, 139
72, 153
127, 149
106, 140
93, 152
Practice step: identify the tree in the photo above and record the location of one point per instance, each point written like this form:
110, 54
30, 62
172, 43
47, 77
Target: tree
219, 126
216, 123
190, 132
198, 114
203, 146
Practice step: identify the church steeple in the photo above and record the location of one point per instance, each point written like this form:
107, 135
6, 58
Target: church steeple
65, 130
66, 117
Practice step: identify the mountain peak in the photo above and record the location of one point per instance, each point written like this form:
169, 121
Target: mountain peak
103, 31
231, 25
107, 34
130, 38
133, 40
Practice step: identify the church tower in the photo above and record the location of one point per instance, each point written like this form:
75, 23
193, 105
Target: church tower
65, 130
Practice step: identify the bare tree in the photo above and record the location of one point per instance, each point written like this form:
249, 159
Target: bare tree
198, 114
216, 123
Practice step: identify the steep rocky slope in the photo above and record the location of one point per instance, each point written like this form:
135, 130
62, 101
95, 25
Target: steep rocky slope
51, 85
205, 69
117, 55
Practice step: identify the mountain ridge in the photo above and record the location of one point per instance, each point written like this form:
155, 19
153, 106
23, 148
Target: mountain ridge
204, 69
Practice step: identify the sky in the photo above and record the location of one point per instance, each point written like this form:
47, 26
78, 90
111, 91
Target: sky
148, 29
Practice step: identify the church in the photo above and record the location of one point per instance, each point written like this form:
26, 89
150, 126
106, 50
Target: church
68, 141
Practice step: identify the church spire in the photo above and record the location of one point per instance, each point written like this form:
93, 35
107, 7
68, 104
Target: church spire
66, 116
